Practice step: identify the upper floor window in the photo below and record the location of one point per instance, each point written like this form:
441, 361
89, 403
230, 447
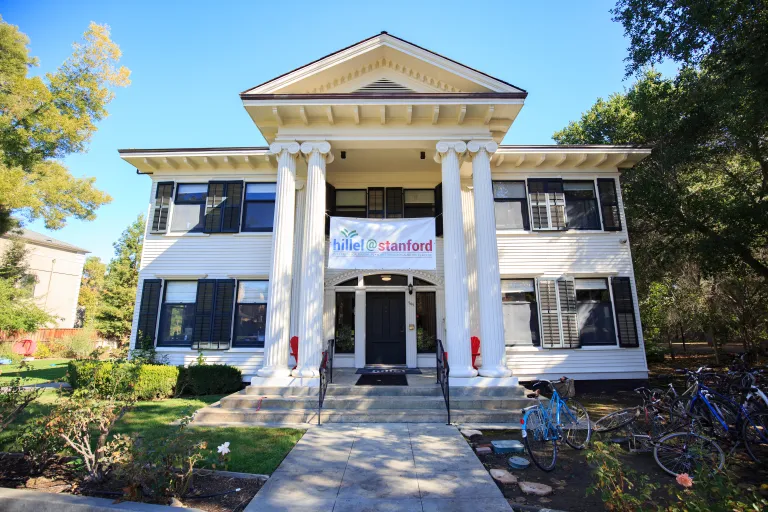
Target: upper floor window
547, 203
189, 207
581, 205
510, 205
259, 212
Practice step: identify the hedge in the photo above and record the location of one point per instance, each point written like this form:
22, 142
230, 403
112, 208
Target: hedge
145, 381
209, 379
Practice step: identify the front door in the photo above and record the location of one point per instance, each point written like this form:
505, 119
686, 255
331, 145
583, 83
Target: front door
385, 328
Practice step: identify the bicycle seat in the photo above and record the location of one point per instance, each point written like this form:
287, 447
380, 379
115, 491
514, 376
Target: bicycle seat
540, 385
532, 395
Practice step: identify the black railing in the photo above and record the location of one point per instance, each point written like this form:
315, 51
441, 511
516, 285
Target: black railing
443, 372
323, 383
331, 349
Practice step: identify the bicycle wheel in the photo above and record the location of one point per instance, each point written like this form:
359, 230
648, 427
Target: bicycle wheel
686, 452
754, 432
709, 419
616, 420
540, 440
576, 425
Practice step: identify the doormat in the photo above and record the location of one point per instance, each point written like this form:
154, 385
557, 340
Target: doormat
388, 371
382, 380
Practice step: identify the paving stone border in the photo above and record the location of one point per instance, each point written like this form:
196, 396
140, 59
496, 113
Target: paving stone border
22, 500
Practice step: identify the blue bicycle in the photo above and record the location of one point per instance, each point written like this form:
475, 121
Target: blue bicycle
560, 419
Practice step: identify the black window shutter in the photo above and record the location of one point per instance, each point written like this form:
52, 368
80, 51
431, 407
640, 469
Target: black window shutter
609, 204
625, 312
439, 210
221, 328
206, 297
163, 195
568, 313
550, 327
150, 303
556, 204
536, 197
213, 207
330, 206
233, 204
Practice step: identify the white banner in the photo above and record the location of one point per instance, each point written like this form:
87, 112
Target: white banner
382, 244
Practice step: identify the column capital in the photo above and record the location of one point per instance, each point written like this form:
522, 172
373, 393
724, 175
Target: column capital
292, 147
443, 147
323, 147
475, 146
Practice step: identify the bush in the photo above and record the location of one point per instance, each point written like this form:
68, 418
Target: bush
43, 351
79, 345
107, 378
6, 352
209, 379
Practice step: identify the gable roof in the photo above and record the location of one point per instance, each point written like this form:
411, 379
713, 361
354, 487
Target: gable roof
384, 39
41, 239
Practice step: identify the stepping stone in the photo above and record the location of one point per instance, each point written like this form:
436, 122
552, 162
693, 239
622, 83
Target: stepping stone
483, 450
534, 488
518, 463
503, 476
507, 446
469, 433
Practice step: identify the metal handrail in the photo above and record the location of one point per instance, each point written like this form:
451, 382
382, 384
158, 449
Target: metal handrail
331, 351
443, 372
323, 384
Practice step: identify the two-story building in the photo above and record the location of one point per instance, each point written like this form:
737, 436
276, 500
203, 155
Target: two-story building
532, 253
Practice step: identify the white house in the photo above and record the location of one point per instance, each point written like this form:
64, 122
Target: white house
58, 268
532, 253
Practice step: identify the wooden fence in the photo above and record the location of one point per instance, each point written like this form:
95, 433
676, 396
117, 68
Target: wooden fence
45, 335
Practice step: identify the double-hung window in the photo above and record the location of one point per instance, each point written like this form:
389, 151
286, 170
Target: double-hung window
259, 211
189, 207
376, 203
251, 313
547, 204
581, 205
521, 318
510, 205
352, 203
419, 203
609, 204
177, 318
595, 312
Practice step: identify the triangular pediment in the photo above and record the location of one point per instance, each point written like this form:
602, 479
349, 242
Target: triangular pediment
384, 64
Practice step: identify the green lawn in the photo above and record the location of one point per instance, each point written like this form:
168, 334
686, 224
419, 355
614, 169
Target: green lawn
38, 372
253, 449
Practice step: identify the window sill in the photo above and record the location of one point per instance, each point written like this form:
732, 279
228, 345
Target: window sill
569, 232
253, 234
187, 234
236, 350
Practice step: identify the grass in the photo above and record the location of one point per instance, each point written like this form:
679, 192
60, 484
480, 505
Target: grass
38, 371
254, 449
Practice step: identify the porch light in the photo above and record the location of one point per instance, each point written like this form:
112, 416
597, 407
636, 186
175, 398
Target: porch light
410, 288
386, 278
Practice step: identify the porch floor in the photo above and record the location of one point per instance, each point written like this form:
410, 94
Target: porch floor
347, 377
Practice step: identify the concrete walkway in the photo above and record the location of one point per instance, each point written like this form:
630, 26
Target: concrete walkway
411, 467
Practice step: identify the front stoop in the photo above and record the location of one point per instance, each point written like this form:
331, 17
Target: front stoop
362, 404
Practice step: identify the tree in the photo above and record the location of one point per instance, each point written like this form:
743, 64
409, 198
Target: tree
18, 311
43, 119
119, 296
91, 288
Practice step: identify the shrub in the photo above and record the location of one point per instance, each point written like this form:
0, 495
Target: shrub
43, 351
6, 352
79, 345
14, 399
209, 379
142, 381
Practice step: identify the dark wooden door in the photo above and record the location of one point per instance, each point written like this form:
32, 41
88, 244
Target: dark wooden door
385, 328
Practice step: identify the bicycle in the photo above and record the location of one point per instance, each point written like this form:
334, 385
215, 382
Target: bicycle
647, 430
561, 419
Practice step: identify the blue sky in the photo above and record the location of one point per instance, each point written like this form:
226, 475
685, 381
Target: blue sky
190, 59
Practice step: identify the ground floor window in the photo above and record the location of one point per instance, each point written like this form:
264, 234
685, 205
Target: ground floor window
520, 311
251, 313
426, 322
595, 312
345, 323
177, 317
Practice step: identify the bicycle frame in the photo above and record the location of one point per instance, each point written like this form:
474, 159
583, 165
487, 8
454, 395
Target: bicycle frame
552, 413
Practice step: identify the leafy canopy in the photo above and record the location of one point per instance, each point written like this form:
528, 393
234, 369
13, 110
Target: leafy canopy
43, 119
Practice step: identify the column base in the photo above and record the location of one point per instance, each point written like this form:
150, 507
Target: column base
306, 372
274, 371
482, 382
495, 371
284, 382
462, 372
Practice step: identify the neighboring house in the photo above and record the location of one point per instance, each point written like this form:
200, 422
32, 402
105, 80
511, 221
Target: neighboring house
58, 267
532, 248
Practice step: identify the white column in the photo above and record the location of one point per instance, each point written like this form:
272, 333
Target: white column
488, 278
281, 269
313, 255
456, 292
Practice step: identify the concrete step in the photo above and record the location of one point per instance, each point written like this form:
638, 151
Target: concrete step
215, 415
507, 392
364, 403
